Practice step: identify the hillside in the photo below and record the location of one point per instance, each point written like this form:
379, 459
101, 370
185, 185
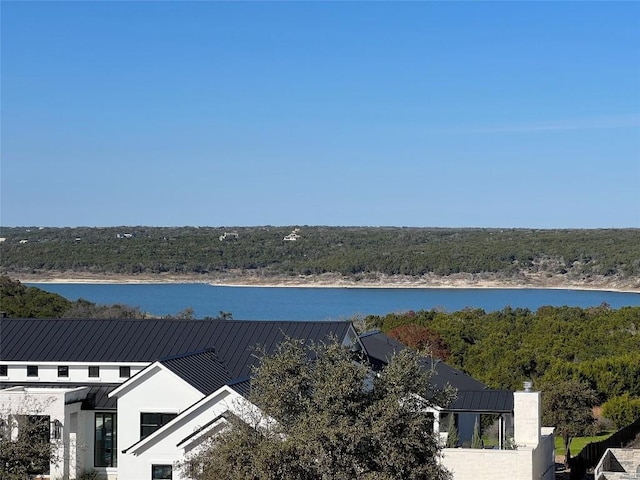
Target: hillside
368, 256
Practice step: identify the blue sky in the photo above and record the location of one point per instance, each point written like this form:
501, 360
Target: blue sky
443, 114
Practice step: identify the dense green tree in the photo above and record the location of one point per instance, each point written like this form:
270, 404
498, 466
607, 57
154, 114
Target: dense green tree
476, 438
598, 345
568, 406
20, 301
622, 410
453, 438
333, 420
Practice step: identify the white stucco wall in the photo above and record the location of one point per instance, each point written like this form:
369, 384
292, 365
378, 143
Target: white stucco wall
477, 464
40, 401
534, 458
158, 391
167, 448
522, 464
527, 408
78, 372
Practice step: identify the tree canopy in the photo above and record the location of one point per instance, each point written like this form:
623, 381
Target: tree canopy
333, 419
598, 345
568, 406
20, 301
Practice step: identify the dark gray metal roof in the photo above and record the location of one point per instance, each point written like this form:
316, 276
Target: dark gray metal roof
380, 349
473, 396
85, 340
97, 397
446, 374
203, 370
242, 386
485, 401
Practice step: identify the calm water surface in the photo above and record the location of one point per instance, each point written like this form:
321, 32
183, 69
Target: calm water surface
290, 303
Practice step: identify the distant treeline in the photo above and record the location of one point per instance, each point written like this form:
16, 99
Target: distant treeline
349, 251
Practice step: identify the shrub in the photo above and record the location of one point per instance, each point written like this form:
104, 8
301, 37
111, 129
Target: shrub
622, 410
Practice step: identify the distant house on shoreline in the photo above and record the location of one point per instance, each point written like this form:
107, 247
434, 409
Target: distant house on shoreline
228, 236
293, 236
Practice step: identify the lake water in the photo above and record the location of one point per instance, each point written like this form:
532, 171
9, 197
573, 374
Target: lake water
290, 303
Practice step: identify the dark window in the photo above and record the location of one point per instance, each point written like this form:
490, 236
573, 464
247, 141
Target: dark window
430, 420
94, 371
161, 472
150, 422
56, 429
125, 372
4, 371
32, 370
106, 449
63, 371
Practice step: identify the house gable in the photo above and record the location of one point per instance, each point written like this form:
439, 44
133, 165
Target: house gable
192, 422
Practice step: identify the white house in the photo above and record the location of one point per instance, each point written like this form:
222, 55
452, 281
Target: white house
108, 385
129, 399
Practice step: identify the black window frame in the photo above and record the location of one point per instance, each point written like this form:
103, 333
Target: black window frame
152, 421
105, 440
63, 371
125, 371
32, 370
94, 371
4, 370
156, 475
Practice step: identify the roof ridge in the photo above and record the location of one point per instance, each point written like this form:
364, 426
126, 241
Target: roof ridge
190, 354
369, 333
239, 380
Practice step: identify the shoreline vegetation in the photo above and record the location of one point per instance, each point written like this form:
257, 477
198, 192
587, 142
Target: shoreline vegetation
330, 280
329, 257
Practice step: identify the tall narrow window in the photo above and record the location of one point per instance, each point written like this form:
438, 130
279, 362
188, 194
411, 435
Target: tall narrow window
63, 371
125, 372
4, 370
94, 371
32, 370
430, 420
56, 430
106, 449
150, 422
161, 472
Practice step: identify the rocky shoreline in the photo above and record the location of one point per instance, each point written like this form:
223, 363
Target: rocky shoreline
253, 279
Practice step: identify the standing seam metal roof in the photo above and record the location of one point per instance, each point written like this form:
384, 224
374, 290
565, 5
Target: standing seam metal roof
381, 348
86, 340
493, 401
203, 370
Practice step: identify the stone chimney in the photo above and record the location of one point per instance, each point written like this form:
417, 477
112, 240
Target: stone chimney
527, 413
